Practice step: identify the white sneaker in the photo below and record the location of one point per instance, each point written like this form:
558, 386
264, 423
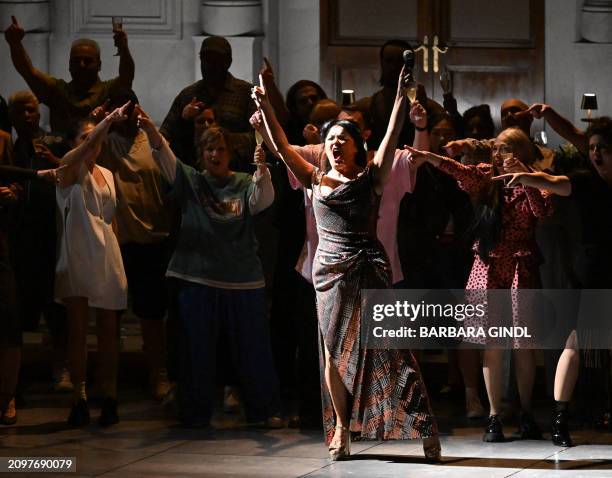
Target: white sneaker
63, 382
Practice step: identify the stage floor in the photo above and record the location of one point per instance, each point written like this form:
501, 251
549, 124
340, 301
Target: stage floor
148, 442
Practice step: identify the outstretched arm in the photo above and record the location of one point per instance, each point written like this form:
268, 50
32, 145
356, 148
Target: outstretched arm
276, 97
561, 125
559, 185
163, 155
38, 82
383, 159
301, 169
88, 149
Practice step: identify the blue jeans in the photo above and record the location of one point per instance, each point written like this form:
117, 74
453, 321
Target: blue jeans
241, 315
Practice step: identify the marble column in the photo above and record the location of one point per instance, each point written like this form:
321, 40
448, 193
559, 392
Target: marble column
596, 21
231, 17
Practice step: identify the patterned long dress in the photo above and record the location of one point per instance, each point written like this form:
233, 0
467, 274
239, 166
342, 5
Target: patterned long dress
514, 263
388, 399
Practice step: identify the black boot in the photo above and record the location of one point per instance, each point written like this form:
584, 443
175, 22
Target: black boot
108, 414
560, 430
79, 415
494, 431
528, 428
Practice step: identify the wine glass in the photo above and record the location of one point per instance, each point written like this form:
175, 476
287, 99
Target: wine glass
117, 27
411, 90
446, 81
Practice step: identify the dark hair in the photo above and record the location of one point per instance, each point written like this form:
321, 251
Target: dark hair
487, 223
365, 114
76, 127
121, 95
361, 158
484, 113
404, 45
601, 126
438, 118
293, 90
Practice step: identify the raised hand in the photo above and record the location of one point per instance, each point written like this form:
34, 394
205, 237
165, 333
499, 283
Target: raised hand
121, 40
538, 110
14, 33
259, 158
118, 114
418, 115
100, 112
266, 73
192, 109
256, 121
144, 120
311, 134
44, 152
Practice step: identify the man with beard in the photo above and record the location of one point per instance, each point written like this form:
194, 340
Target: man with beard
218, 89
72, 101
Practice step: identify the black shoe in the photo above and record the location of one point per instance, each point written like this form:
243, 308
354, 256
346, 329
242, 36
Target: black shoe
528, 428
560, 432
494, 432
108, 414
79, 415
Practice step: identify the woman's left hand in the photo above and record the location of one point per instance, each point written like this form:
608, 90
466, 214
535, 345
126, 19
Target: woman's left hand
513, 179
259, 158
514, 165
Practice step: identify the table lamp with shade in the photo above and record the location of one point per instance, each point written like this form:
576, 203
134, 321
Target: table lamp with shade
348, 97
589, 103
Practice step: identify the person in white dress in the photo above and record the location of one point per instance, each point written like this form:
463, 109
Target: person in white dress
89, 271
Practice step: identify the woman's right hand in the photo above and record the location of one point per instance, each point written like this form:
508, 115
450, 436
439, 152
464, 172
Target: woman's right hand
118, 114
144, 120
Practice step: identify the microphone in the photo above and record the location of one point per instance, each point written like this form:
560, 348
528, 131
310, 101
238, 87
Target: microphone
408, 61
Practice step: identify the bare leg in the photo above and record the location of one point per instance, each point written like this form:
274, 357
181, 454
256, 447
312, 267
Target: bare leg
107, 326
337, 390
525, 375
77, 311
567, 370
492, 369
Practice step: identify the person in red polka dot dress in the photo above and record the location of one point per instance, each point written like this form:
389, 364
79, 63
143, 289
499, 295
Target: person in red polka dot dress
506, 257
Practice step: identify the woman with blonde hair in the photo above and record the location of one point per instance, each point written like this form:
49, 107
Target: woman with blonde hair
506, 256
